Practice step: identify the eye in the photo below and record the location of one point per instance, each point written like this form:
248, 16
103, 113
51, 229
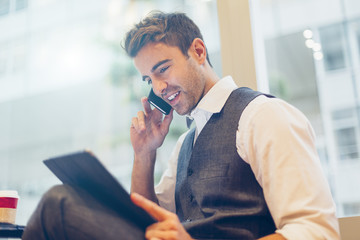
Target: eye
147, 79
162, 70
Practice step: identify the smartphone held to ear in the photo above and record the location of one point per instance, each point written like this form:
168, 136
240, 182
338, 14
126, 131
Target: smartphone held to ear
159, 103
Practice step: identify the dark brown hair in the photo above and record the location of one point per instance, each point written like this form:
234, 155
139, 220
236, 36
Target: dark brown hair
173, 29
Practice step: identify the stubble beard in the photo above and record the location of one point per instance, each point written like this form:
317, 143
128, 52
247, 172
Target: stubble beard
194, 90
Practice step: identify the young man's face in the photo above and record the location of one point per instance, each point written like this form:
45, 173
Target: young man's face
178, 79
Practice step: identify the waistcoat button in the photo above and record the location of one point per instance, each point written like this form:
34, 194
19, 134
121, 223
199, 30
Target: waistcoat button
191, 198
190, 172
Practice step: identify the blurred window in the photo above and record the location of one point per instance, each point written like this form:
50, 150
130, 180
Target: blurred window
346, 134
312, 61
333, 46
347, 143
350, 208
21, 4
4, 7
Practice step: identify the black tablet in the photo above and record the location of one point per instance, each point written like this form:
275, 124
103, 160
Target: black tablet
82, 169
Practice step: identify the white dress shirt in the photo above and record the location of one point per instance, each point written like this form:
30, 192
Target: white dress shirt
277, 141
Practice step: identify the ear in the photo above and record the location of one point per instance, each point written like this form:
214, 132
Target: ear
198, 50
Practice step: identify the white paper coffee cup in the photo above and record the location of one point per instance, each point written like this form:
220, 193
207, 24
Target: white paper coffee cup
8, 205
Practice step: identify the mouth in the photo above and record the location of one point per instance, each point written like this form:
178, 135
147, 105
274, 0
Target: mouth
173, 96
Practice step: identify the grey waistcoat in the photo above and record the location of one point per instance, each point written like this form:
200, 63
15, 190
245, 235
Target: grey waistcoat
217, 195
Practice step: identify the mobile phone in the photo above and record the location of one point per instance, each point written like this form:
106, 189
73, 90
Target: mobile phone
159, 103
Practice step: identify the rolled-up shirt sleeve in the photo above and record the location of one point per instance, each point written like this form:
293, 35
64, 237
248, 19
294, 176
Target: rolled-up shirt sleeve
278, 142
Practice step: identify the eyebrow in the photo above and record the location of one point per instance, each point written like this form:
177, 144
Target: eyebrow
156, 66
159, 64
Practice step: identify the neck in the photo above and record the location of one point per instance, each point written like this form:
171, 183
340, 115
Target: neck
211, 78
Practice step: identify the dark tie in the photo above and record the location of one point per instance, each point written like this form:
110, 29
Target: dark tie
189, 121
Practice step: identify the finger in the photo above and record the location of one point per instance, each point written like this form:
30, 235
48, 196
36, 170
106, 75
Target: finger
159, 234
148, 110
162, 226
134, 123
167, 120
150, 207
146, 105
157, 116
141, 120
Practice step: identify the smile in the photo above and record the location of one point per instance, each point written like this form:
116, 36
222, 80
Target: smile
173, 96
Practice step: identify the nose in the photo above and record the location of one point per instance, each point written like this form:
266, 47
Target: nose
159, 87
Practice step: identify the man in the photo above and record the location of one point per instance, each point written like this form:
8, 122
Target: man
248, 170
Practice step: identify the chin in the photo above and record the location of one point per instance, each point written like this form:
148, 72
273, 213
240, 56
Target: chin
181, 112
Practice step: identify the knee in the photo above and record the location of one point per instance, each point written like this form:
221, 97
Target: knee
57, 194
46, 221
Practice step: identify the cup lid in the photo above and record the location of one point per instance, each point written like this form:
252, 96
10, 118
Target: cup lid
9, 193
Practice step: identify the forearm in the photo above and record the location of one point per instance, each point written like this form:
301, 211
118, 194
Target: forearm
142, 178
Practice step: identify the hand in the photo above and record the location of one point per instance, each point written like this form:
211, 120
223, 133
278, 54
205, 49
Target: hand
168, 225
149, 128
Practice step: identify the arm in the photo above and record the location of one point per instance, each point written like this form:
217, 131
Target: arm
279, 145
147, 133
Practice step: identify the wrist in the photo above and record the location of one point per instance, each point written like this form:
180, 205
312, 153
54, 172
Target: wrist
142, 177
145, 156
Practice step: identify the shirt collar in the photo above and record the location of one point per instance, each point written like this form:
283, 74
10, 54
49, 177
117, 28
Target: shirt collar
216, 97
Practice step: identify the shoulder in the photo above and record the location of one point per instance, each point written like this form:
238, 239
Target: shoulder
270, 121
264, 110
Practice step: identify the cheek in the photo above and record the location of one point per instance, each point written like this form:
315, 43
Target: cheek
192, 82
195, 88
197, 81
